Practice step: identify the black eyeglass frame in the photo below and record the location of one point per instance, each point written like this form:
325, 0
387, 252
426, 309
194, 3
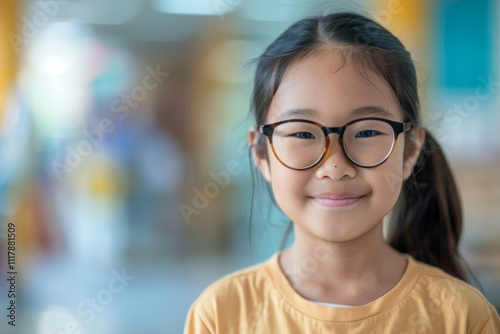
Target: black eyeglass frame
397, 128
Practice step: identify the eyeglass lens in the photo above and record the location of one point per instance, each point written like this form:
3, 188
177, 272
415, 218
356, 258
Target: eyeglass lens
301, 144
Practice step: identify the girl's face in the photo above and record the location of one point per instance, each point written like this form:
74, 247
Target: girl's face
336, 201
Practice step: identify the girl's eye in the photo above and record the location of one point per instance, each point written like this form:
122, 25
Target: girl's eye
367, 133
303, 135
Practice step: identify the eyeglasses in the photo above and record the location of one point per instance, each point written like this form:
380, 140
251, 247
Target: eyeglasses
301, 144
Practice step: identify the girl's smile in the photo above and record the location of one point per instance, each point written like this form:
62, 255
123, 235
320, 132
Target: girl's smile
336, 200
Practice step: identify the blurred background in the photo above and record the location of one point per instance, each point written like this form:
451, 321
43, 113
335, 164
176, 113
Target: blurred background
124, 166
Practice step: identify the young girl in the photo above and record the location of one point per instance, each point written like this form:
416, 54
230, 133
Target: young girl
339, 140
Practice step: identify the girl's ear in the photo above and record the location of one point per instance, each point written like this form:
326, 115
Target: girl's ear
412, 153
259, 152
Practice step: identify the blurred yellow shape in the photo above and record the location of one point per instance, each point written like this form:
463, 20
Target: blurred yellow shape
9, 19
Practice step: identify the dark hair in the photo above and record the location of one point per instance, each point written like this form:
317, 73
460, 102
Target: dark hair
427, 220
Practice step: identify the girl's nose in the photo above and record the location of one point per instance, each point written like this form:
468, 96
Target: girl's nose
335, 164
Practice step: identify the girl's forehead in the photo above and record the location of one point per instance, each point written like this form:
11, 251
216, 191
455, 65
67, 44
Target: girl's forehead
333, 87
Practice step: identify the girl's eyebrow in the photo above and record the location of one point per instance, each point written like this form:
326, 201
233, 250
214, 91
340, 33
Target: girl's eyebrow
372, 110
358, 112
296, 113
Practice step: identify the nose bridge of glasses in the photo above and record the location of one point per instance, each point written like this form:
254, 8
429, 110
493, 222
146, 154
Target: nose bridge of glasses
329, 130
337, 143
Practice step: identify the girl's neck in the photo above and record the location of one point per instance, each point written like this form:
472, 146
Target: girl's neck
352, 273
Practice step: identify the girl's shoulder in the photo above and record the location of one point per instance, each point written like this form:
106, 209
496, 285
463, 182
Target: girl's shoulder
436, 287
232, 300
245, 282
442, 297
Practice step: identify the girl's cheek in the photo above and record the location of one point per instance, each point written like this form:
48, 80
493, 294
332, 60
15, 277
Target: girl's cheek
391, 178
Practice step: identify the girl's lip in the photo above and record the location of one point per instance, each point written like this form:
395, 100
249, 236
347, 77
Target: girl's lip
337, 201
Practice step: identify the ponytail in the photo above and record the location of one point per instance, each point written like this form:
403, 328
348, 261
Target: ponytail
427, 220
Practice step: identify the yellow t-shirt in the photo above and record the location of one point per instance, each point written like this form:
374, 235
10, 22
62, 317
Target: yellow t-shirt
260, 299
